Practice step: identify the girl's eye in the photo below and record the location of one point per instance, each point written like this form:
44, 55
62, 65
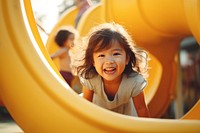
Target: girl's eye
116, 53
101, 55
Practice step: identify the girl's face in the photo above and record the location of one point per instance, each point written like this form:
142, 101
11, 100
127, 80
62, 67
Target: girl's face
110, 63
70, 41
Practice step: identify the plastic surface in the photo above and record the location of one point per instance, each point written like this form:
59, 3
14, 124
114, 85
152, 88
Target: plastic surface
40, 101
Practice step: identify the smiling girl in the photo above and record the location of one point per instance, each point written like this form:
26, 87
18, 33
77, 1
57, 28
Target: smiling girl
114, 70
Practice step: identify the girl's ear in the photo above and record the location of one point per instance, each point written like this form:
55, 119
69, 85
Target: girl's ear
127, 59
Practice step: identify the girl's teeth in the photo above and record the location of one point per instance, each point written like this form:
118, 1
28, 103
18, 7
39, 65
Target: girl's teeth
109, 70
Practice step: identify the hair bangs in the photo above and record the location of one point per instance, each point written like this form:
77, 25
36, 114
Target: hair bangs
104, 44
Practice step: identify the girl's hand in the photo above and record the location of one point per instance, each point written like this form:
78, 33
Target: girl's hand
87, 94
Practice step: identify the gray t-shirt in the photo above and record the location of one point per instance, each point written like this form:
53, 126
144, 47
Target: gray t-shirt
122, 103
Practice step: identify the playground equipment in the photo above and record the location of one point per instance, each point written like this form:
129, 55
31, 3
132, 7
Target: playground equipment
155, 34
40, 101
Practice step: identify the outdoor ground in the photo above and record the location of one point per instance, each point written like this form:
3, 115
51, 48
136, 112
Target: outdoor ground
7, 124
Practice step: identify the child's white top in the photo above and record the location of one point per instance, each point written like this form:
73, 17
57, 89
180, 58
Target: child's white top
122, 103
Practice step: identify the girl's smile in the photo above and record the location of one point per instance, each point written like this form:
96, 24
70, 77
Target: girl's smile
110, 70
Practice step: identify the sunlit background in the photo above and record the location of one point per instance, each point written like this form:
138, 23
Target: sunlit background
48, 12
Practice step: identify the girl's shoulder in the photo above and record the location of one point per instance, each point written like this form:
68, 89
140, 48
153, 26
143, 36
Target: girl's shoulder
135, 77
92, 82
134, 83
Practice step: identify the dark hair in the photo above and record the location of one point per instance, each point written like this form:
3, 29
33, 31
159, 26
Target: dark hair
102, 37
61, 36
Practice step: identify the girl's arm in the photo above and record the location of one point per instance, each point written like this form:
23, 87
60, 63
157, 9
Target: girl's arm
87, 94
140, 105
58, 53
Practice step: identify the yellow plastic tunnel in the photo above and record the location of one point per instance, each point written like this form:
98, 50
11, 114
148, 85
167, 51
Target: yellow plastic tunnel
40, 101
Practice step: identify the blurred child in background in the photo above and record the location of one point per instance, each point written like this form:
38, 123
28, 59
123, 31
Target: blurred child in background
64, 38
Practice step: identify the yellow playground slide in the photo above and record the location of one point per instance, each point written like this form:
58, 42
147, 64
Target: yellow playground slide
40, 101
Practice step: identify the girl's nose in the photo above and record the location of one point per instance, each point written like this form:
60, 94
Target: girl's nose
109, 60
